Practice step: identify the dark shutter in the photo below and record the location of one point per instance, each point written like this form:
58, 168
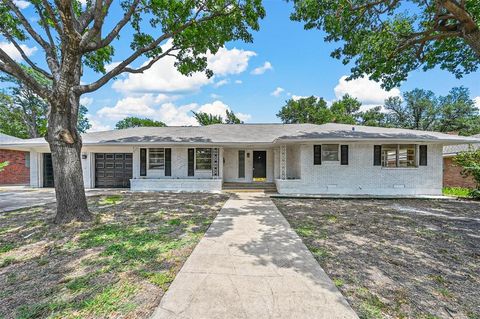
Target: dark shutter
317, 154
241, 164
344, 154
377, 155
423, 155
168, 162
143, 162
191, 162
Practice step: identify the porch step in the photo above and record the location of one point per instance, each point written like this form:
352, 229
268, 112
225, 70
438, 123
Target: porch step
250, 187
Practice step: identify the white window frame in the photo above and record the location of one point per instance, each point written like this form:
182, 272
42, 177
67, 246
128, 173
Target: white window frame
324, 159
398, 160
160, 161
196, 159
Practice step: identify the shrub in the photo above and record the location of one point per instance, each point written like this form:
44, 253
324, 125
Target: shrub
470, 163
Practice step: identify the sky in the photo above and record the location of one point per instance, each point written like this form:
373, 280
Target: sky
252, 79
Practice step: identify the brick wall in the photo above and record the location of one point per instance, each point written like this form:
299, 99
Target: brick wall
361, 177
16, 173
452, 176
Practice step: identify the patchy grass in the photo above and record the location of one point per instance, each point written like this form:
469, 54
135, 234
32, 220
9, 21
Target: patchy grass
457, 192
396, 258
118, 266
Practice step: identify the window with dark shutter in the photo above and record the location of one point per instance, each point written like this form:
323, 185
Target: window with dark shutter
241, 164
423, 155
344, 154
317, 154
191, 162
377, 155
143, 162
168, 162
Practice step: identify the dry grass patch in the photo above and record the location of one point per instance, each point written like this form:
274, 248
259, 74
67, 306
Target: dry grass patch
118, 266
396, 258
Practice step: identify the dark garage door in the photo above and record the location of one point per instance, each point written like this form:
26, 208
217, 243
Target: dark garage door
113, 170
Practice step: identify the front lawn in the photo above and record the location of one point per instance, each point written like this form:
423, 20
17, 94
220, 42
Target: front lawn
118, 266
396, 258
457, 191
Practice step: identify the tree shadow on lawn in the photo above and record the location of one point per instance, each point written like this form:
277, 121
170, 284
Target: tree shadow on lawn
400, 258
118, 266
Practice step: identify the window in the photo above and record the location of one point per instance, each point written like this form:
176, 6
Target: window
27, 159
329, 152
399, 155
317, 154
156, 158
203, 158
241, 164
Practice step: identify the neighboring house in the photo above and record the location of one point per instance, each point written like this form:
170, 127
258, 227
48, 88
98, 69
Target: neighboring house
451, 171
298, 158
18, 170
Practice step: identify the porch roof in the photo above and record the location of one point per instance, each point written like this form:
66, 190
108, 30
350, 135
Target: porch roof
231, 134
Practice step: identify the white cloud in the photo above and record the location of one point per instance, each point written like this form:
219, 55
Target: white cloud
161, 108
221, 83
262, 69
477, 101
86, 101
97, 124
298, 97
277, 91
238, 81
163, 77
226, 61
243, 117
215, 96
133, 106
21, 4
10, 49
365, 90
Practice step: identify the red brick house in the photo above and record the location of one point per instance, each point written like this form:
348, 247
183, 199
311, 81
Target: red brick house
17, 171
451, 172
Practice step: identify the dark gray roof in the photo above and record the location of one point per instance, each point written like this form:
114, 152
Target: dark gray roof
256, 133
5, 139
455, 149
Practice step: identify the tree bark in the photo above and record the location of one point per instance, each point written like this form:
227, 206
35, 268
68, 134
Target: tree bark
66, 144
473, 40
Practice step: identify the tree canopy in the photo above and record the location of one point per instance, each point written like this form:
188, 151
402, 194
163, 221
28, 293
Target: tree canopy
133, 121
387, 39
209, 119
418, 109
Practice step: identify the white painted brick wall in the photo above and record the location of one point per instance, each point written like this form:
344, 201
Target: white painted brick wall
361, 177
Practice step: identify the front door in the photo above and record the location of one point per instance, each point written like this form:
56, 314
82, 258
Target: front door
259, 165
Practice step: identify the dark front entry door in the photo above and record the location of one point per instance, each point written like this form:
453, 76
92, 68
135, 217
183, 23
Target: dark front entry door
113, 170
259, 164
47, 170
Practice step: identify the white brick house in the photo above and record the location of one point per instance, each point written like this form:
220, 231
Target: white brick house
298, 158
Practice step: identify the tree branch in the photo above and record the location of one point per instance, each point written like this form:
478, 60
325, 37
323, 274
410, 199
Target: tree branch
11, 67
91, 46
51, 13
100, 12
27, 25
24, 56
120, 68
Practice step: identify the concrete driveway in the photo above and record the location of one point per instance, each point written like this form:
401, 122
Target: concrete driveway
16, 197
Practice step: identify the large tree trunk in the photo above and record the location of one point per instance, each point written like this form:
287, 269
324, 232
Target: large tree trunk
66, 144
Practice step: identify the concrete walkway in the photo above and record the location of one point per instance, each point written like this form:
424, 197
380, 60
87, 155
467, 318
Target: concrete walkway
251, 264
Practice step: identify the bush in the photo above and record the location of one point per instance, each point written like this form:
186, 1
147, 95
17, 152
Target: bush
475, 193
